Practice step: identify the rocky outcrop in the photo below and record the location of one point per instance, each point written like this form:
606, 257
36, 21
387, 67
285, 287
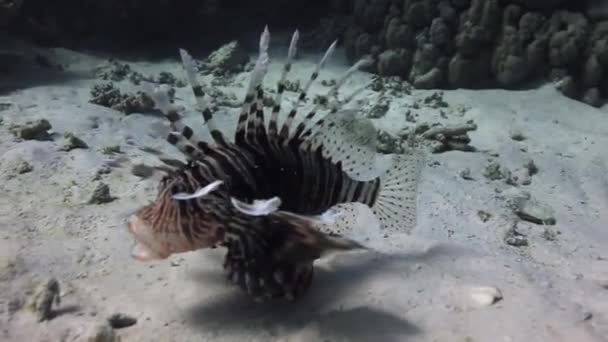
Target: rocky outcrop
482, 43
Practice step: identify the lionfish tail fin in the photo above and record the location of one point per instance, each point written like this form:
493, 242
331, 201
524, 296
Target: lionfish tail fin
396, 204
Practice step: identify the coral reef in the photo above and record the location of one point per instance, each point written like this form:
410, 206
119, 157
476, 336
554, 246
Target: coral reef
430, 43
473, 44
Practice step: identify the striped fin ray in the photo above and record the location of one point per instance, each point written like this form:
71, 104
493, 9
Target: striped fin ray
257, 77
255, 121
203, 105
302, 131
333, 91
337, 104
351, 140
313, 77
182, 135
273, 124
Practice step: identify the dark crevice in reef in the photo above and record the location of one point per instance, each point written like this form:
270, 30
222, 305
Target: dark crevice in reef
430, 43
132, 24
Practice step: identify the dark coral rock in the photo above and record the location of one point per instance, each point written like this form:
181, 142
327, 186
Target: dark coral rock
425, 59
440, 33
599, 42
398, 34
592, 97
557, 74
568, 87
510, 62
537, 56
511, 15
430, 80
470, 40
490, 19
512, 70
448, 13
531, 24
419, 14
563, 50
568, 39
370, 13
600, 48
592, 72
468, 72
475, 12
394, 62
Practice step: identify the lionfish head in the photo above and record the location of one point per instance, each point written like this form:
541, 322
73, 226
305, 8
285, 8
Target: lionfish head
167, 225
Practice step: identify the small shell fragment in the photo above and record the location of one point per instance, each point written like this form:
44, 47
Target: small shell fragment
485, 295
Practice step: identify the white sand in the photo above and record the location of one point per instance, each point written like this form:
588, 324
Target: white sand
420, 290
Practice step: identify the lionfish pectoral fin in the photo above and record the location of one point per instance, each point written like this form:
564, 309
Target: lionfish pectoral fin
327, 233
305, 243
329, 217
351, 139
355, 220
331, 244
200, 192
258, 207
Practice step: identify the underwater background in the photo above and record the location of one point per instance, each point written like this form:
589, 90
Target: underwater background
506, 97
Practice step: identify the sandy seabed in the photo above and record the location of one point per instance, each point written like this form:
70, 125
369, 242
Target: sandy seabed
418, 287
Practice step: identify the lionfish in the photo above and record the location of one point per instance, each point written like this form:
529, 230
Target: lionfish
274, 196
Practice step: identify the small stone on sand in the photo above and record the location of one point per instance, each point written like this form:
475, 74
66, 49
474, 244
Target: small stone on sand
485, 295
101, 195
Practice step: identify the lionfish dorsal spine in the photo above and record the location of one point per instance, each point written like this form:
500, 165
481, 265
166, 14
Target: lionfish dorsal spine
284, 133
181, 136
291, 53
248, 110
251, 131
202, 104
303, 132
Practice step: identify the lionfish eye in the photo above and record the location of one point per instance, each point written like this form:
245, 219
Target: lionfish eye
175, 188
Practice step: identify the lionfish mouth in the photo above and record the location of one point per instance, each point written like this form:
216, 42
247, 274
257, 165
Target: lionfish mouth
141, 250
